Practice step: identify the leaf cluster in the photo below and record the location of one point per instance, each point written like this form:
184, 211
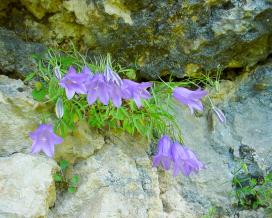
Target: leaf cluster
251, 192
62, 182
150, 121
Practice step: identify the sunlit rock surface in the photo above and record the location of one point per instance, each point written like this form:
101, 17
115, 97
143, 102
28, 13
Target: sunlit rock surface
157, 37
27, 185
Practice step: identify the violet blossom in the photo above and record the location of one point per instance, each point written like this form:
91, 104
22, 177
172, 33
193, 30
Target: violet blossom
190, 98
87, 73
98, 88
73, 82
163, 153
113, 77
184, 160
135, 91
44, 139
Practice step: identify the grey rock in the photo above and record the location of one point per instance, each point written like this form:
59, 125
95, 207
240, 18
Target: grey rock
16, 55
27, 187
18, 116
247, 104
117, 182
160, 37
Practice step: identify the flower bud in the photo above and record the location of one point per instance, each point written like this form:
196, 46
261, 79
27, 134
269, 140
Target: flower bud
57, 72
59, 108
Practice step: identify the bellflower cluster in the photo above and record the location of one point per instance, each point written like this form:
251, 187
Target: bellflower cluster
105, 87
183, 158
44, 139
190, 98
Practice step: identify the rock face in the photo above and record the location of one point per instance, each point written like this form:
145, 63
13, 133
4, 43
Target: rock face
27, 187
18, 116
116, 178
16, 55
117, 182
247, 107
160, 37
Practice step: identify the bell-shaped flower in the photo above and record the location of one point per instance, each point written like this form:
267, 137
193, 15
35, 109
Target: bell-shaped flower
163, 153
115, 94
87, 73
59, 109
135, 91
113, 77
219, 114
73, 82
44, 139
184, 160
190, 98
98, 88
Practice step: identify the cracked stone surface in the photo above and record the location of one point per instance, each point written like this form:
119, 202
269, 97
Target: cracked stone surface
116, 178
27, 186
117, 182
161, 37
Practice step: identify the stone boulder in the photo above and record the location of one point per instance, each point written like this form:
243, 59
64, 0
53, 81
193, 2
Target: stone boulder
27, 186
157, 37
17, 55
18, 116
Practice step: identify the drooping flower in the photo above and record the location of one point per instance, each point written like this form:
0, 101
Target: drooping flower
115, 94
57, 72
190, 98
87, 73
98, 88
113, 77
219, 114
73, 82
59, 109
135, 91
44, 139
184, 160
163, 153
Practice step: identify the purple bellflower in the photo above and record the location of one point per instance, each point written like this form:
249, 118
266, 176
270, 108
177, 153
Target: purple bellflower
113, 77
115, 93
98, 88
163, 153
219, 114
87, 73
184, 160
44, 139
135, 91
190, 98
73, 83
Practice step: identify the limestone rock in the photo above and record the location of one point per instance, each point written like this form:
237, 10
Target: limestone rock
82, 144
117, 182
18, 116
16, 54
26, 184
247, 108
160, 37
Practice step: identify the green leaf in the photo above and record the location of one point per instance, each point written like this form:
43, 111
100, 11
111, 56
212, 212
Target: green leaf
53, 87
64, 164
74, 181
40, 94
72, 189
29, 77
57, 177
